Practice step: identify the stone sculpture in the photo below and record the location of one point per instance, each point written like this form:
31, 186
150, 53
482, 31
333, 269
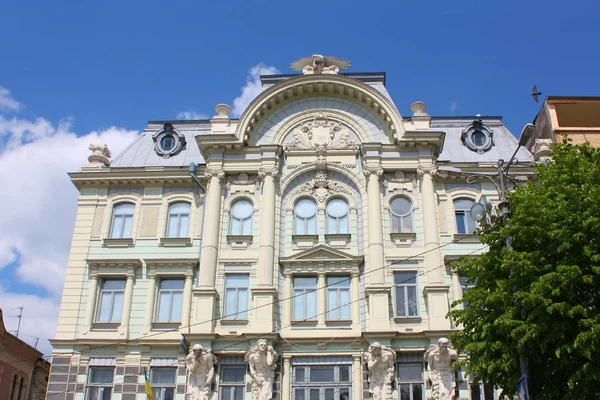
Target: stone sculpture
380, 362
319, 64
262, 361
200, 368
439, 362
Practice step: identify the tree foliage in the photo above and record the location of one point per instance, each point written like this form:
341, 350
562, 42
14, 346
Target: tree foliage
544, 295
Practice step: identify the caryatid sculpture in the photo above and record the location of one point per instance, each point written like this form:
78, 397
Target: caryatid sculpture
380, 361
200, 366
262, 361
439, 367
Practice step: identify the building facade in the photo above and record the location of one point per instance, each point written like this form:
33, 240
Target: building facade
321, 220
23, 371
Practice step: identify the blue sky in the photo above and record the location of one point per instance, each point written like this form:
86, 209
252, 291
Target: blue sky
74, 72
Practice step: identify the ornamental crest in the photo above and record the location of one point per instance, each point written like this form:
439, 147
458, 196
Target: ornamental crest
321, 188
321, 133
399, 177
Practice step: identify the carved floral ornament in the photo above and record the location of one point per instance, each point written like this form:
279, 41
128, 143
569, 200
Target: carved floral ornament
219, 173
399, 177
430, 170
321, 133
242, 179
321, 188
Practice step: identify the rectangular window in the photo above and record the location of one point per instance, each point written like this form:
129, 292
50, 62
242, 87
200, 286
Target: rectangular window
110, 302
410, 380
178, 220
122, 221
480, 391
464, 286
338, 297
321, 382
170, 299
236, 296
407, 304
163, 383
305, 298
232, 382
100, 383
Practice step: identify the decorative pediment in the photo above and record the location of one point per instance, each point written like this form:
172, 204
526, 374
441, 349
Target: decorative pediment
321, 188
320, 133
322, 254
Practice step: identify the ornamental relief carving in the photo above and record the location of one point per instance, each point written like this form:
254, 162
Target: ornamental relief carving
399, 177
320, 133
242, 179
431, 170
321, 188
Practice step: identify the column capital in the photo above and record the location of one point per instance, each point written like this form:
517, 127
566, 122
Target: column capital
215, 172
373, 170
429, 170
263, 172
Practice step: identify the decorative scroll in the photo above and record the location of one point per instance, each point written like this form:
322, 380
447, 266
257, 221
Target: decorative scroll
321, 133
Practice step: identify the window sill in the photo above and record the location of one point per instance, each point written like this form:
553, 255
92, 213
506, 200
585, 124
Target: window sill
338, 322
230, 321
305, 241
239, 242
338, 239
403, 239
106, 326
161, 326
122, 242
408, 319
303, 323
175, 242
465, 237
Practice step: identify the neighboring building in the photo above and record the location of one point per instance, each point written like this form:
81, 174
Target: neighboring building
23, 371
578, 117
329, 223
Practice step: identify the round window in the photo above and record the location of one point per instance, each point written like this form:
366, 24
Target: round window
306, 208
337, 208
167, 142
478, 138
400, 206
242, 209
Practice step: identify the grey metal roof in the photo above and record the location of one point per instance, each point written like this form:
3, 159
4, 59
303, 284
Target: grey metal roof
141, 152
454, 150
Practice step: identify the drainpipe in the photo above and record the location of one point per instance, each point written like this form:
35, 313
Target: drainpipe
203, 190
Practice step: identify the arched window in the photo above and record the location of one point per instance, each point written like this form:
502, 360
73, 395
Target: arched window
122, 221
20, 389
464, 223
178, 220
401, 214
241, 218
337, 216
305, 215
13, 387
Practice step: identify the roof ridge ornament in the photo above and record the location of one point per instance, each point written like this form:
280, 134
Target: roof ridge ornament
319, 64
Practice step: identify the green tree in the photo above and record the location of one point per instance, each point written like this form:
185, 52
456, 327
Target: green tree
544, 295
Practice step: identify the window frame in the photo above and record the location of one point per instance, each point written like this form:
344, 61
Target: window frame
334, 287
235, 315
162, 387
178, 215
241, 385
171, 293
112, 292
411, 383
101, 385
465, 216
344, 219
305, 291
307, 386
306, 220
126, 216
404, 286
244, 222
397, 221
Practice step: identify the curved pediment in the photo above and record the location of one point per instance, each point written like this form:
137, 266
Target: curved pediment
320, 132
361, 103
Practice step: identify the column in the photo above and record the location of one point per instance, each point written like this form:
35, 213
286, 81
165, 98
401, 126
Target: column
91, 303
436, 291
286, 381
212, 219
456, 287
357, 375
377, 291
266, 246
355, 295
127, 297
149, 303
205, 294
186, 302
321, 302
287, 302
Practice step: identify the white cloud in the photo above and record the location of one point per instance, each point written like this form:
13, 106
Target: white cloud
189, 114
252, 88
454, 107
39, 205
7, 103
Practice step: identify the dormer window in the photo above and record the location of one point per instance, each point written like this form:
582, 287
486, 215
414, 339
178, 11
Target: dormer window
168, 141
478, 137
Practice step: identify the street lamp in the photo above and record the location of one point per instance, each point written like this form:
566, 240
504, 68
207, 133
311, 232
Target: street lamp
482, 212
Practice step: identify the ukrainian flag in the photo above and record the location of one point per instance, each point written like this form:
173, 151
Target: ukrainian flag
148, 387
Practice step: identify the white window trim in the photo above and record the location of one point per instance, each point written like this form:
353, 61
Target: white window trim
412, 269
